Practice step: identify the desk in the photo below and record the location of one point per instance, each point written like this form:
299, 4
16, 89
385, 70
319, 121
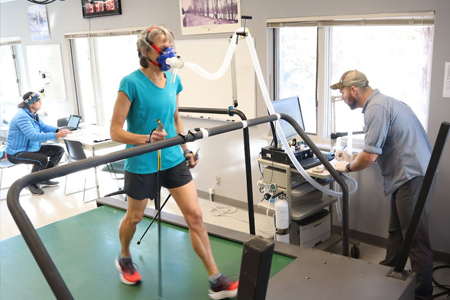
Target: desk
89, 134
87, 137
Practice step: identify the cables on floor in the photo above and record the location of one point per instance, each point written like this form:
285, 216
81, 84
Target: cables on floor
445, 287
227, 211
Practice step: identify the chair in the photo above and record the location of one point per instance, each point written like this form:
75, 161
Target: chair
62, 122
4, 164
116, 168
76, 153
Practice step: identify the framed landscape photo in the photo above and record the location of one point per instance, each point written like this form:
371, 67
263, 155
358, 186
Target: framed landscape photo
209, 16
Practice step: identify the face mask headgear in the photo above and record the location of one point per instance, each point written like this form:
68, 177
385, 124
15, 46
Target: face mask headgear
163, 55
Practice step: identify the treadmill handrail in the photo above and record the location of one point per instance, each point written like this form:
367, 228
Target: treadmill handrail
35, 244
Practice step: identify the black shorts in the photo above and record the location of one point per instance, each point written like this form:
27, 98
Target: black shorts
143, 186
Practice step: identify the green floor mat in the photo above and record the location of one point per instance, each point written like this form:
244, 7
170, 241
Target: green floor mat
84, 247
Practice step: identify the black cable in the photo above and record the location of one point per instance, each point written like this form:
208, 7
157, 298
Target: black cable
41, 2
442, 286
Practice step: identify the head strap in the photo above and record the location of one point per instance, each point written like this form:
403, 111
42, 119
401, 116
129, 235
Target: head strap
151, 43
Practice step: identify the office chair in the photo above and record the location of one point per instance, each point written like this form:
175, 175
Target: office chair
62, 122
76, 153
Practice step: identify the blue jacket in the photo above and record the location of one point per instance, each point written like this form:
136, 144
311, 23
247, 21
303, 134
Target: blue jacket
26, 133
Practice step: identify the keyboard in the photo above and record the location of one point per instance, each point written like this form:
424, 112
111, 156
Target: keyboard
311, 162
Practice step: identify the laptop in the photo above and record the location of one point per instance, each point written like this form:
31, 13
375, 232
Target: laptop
73, 122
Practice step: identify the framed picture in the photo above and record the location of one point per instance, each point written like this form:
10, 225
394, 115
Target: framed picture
37, 19
209, 16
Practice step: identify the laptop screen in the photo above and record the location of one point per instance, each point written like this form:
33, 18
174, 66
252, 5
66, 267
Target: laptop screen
73, 122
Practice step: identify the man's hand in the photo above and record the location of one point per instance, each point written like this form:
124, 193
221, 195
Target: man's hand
63, 133
340, 166
158, 135
342, 155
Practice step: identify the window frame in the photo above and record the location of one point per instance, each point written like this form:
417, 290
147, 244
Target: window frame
96, 76
18, 63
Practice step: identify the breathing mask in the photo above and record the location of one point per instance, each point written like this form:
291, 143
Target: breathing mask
163, 55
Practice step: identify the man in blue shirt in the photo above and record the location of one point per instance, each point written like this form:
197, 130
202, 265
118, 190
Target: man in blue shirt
395, 138
25, 135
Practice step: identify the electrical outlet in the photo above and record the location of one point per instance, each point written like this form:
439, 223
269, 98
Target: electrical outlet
211, 191
218, 180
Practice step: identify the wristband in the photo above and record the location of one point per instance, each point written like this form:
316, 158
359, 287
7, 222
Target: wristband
149, 137
347, 167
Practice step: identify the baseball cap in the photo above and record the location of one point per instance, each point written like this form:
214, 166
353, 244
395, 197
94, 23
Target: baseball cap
351, 78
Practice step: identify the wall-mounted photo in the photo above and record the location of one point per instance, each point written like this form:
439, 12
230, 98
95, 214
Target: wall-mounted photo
209, 16
37, 19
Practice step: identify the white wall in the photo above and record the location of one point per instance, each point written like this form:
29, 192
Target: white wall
223, 156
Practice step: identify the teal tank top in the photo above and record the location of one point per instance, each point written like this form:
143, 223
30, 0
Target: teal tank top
148, 103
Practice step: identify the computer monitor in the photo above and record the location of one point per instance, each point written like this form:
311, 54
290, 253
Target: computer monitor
289, 106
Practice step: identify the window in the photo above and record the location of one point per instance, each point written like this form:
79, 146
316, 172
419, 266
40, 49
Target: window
297, 70
10, 73
312, 53
84, 81
99, 65
9, 89
395, 59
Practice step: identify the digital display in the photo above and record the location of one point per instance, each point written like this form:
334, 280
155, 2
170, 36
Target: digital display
98, 8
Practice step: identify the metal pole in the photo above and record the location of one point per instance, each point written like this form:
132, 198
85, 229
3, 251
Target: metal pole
248, 165
423, 195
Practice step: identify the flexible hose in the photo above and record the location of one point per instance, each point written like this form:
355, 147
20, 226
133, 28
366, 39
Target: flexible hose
177, 62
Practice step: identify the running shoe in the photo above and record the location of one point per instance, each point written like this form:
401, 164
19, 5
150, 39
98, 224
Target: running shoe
35, 189
224, 288
48, 183
127, 271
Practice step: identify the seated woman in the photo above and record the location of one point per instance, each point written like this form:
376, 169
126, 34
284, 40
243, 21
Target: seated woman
25, 134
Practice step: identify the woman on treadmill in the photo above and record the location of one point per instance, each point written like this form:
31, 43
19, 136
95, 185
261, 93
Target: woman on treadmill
146, 95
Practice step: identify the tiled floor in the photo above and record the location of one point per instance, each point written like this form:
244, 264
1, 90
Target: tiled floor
54, 206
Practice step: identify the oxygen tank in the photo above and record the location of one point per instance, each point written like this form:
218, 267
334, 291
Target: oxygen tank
282, 220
